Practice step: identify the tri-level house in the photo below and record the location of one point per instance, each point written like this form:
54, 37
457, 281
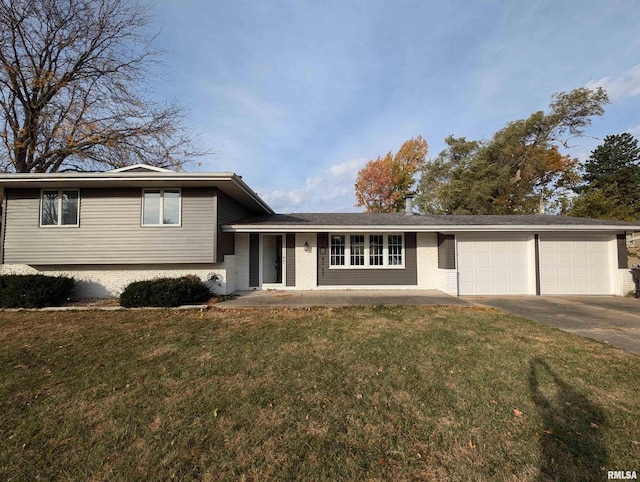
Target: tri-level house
107, 229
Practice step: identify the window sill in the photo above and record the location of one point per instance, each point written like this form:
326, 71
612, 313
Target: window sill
59, 226
398, 266
161, 225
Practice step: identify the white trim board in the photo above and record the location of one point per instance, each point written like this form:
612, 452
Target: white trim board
445, 229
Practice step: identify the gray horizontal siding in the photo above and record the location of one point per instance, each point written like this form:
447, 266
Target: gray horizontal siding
446, 251
291, 259
621, 243
229, 210
345, 277
110, 230
254, 260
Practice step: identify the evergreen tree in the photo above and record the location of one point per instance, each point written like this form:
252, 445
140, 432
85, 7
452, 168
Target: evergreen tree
616, 162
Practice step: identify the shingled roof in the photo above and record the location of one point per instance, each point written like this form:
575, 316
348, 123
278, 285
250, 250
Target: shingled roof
319, 220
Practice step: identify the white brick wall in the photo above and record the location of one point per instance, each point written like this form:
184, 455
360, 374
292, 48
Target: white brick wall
430, 277
448, 281
306, 262
625, 282
231, 272
17, 269
109, 281
427, 260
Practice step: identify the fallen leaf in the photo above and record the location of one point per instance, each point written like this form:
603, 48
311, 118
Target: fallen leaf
517, 413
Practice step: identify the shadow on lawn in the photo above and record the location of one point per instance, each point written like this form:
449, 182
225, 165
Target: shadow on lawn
572, 442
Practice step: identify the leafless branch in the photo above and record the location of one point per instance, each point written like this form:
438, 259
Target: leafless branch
72, 76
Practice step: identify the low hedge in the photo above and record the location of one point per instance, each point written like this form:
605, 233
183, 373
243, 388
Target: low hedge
34, 290
165, 292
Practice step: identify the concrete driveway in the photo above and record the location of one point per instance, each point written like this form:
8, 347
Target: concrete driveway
610, 319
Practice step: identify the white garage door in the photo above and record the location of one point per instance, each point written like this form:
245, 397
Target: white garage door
577, 265
493, 264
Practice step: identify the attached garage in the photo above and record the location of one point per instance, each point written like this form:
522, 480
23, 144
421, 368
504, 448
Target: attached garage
495, 264
575, 264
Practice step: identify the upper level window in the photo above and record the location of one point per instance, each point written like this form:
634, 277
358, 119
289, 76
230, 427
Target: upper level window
161, 207
59, 207
367, 251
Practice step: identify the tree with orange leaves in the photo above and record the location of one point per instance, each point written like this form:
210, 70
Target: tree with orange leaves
382, 184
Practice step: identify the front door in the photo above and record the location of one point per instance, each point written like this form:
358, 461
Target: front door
272, 260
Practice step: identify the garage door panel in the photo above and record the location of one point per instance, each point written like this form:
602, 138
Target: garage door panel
574, 265
562, 272
483, 259
501, 273
581, 273
498, 258
493, 265
516, 259
465, 258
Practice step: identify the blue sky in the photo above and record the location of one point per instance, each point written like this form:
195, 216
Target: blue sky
296, 96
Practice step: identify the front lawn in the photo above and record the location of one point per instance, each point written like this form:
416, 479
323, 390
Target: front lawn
396, 393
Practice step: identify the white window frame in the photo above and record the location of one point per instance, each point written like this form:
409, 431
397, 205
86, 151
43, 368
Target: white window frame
59, 223
343, 255
367, 245
161, 224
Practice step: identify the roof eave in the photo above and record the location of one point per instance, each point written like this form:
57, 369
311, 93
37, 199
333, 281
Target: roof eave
448, 228
13, 180
134, 179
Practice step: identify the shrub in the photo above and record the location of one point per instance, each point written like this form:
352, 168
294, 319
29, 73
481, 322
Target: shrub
165, 292
34, 290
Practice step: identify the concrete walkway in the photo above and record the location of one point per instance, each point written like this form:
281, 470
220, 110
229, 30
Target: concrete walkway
303, 299
610, 319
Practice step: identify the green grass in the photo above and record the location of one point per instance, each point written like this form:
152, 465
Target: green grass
379, 393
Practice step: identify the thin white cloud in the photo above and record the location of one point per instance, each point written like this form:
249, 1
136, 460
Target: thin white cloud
331, 191
635, 131
624, 85
246, 112
347, 168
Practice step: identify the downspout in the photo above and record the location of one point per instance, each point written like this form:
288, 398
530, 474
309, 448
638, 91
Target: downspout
3, 223
537, 262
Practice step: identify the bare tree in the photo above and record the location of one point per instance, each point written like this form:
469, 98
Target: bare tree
73, 89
